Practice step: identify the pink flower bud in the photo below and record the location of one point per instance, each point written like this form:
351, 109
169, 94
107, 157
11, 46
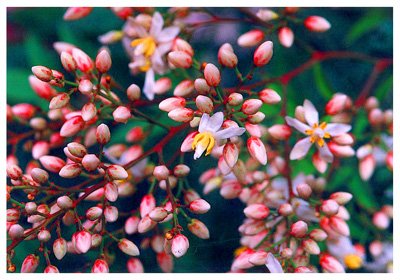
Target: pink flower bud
13, 215
158, 214
39, 175
311, 247
51, 269
251, 38
134, 265
161, 172
133, 92
181, 170
199, 229
128, 247
280, 131
339, 226
117, 172
184, 88
100, 266
285, 209
44, 235
74, 13
76, 149
131, 225
146, 224
15, 231
111, 191
166, 262
317, 24
381, 220
212, 75
302, 269
318, 235
14, 171
235, 99
68, 61
52, 163
180, 59
181, 114
231, 154
251, 106
204, 104
263, 54
330, 264
286, 37
256, 211
42, 73
341, 151
42, 89
59, 101
85, 86
304, 190
24, 110
30, 207
103, 134
111, 214
64, 202
172, 103
376, 248
201, 86
30, 264
187, 143
39, 149
103, 61
338, 103
89, 111
83, 61
299, 229
182, 45
162, 85
121, 114
367, 167
180, 245
72, 126
330, 207
147, 204
82, 241
70, 170
341, 197
199, 206
90, 162
257, 150
226, 56
258, 258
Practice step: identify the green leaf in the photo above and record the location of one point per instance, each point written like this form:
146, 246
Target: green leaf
366, 24
362, 193
322, 83
384, 88
37, 53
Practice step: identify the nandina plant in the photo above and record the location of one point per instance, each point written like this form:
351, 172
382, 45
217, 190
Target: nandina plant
108, 171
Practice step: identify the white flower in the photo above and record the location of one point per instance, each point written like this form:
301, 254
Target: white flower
137, 170
273, 264
384, 261
210, 132
150, 48
344, 251
316, 133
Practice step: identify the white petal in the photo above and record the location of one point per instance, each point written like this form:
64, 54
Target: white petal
215, 122
273, 264
199, 151
310, 113
157, 63
157, 23
302, 127
300, 149
325, 153
204, 122
168, 34
229, 132
149, 82
336, 129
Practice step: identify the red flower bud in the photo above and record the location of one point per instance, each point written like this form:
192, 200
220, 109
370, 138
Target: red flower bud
286, 36
74, 13
42, 73
212, 75
256, 211
257, 150
52, 163
103, 134
103, 61
317, 24
251, 38
180, 59
263, 54
199, 206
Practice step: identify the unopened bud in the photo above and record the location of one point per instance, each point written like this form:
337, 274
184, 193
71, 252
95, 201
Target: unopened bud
251, 38
212, 75
199, 229
286, 37
103, 134
204, 104
161, 172
42, 73
256, 211
117, 172
199, 206
180, 59
184, 88
128, 247
299, 229
317, 24
263, 54
103, 61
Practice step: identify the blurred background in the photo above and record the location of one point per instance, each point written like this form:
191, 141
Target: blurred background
31, 33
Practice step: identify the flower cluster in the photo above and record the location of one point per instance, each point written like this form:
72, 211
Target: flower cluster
84, 188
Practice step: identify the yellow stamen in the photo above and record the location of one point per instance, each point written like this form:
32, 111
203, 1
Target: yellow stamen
205, 139
316, 137
353, 261
148, 45
146, 66
239, 250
